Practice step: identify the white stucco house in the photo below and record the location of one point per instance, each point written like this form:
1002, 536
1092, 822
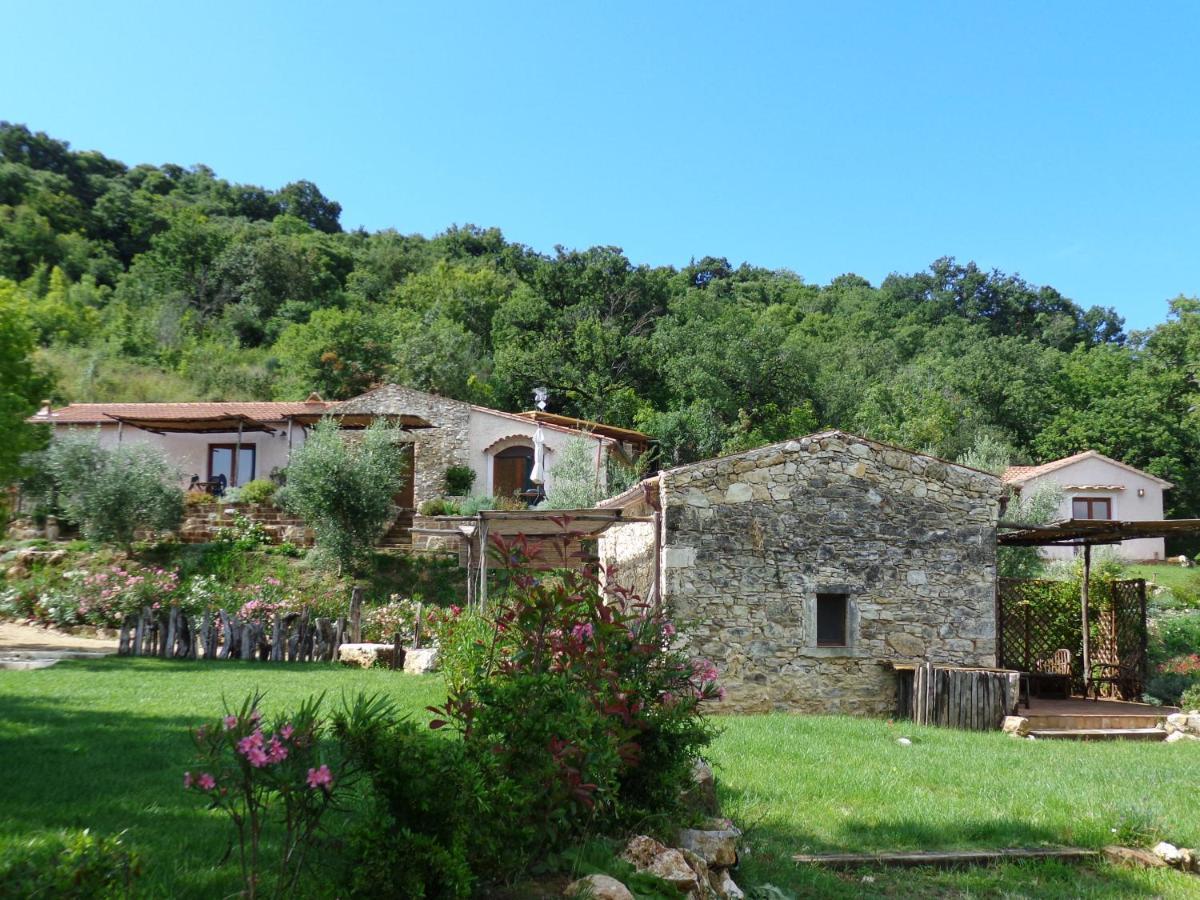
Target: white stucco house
1097, 487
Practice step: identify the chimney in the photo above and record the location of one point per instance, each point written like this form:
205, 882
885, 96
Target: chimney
44, 412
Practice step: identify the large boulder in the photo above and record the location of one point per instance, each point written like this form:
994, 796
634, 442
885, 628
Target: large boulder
724, 886
648, 855
421, 662
365, 655
717, 847
598, 887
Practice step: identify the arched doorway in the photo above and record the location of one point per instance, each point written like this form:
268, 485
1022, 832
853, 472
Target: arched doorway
511, 468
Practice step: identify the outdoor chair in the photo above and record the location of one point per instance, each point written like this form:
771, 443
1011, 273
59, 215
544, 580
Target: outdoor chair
1124, 678
1052, 675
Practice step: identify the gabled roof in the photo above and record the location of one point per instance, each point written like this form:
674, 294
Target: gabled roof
612, 431
108, 413
395, 398
634, 495
1019, 475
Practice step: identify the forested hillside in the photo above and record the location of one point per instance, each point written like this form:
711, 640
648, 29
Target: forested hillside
169, 283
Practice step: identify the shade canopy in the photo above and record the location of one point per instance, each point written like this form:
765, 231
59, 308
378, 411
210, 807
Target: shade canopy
1090, 532
221, 424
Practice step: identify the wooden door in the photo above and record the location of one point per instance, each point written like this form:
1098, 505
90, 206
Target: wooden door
510, 472
405, 497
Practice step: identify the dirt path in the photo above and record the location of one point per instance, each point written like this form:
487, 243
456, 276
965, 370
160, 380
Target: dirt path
17, 636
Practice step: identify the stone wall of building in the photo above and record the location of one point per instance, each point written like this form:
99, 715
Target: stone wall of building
629, 549
750, 540
434, 449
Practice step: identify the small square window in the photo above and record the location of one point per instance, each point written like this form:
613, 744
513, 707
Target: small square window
832, 616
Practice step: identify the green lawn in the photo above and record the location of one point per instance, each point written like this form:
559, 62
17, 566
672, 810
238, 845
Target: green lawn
1167, 575
104, 744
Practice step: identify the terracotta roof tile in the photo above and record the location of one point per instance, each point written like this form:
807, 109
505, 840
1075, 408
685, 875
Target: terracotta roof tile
1021, 474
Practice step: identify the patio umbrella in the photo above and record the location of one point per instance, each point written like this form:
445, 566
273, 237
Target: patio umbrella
538, 475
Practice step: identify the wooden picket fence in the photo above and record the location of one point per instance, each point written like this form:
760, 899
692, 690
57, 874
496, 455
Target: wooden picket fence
292, 637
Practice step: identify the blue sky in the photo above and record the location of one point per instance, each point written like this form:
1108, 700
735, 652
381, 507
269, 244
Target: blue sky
1055, 140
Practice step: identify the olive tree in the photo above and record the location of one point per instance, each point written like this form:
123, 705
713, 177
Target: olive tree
110, 492
342, 486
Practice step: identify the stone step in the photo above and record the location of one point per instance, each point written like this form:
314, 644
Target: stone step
1100, 734
1089, 722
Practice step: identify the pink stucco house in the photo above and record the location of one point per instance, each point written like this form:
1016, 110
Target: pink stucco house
1095, 486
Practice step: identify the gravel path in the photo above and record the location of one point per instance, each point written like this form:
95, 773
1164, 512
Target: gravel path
18, 636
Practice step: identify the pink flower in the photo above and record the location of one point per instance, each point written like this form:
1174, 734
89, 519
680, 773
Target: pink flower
276, 752
230, 722
320, 778
187, 780
255, 715
286, 731
251, 743
583, 631
668, 629
207, 782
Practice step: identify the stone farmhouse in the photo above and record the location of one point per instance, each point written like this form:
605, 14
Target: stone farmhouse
807, 569
1097, 487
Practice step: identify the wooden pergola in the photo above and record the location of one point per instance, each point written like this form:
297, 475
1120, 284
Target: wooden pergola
229, 423
556, 534
1088, 533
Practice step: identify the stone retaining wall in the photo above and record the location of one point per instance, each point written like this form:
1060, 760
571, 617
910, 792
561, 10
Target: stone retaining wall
201, 523
435, 544
750, 540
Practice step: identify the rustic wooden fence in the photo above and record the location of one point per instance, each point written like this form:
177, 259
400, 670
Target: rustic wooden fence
967, 698
290, 637
172, 634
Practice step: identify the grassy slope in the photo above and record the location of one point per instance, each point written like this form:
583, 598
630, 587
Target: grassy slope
103, 745
1167, 575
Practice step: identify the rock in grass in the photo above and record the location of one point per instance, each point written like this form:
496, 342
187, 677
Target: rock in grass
1168, 853
717, 848
1018, 726
421, 662
648, 855
598, 887
365, 655
724, 886
904, 742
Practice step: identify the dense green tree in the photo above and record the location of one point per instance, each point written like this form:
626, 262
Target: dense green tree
339, 353
167, 282
343, 487
21, 386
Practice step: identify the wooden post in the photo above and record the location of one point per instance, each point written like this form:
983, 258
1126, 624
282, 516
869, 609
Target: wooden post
356, 599
233, 469
483, 563
417, 629
1083, 603
397, 652
657, 588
